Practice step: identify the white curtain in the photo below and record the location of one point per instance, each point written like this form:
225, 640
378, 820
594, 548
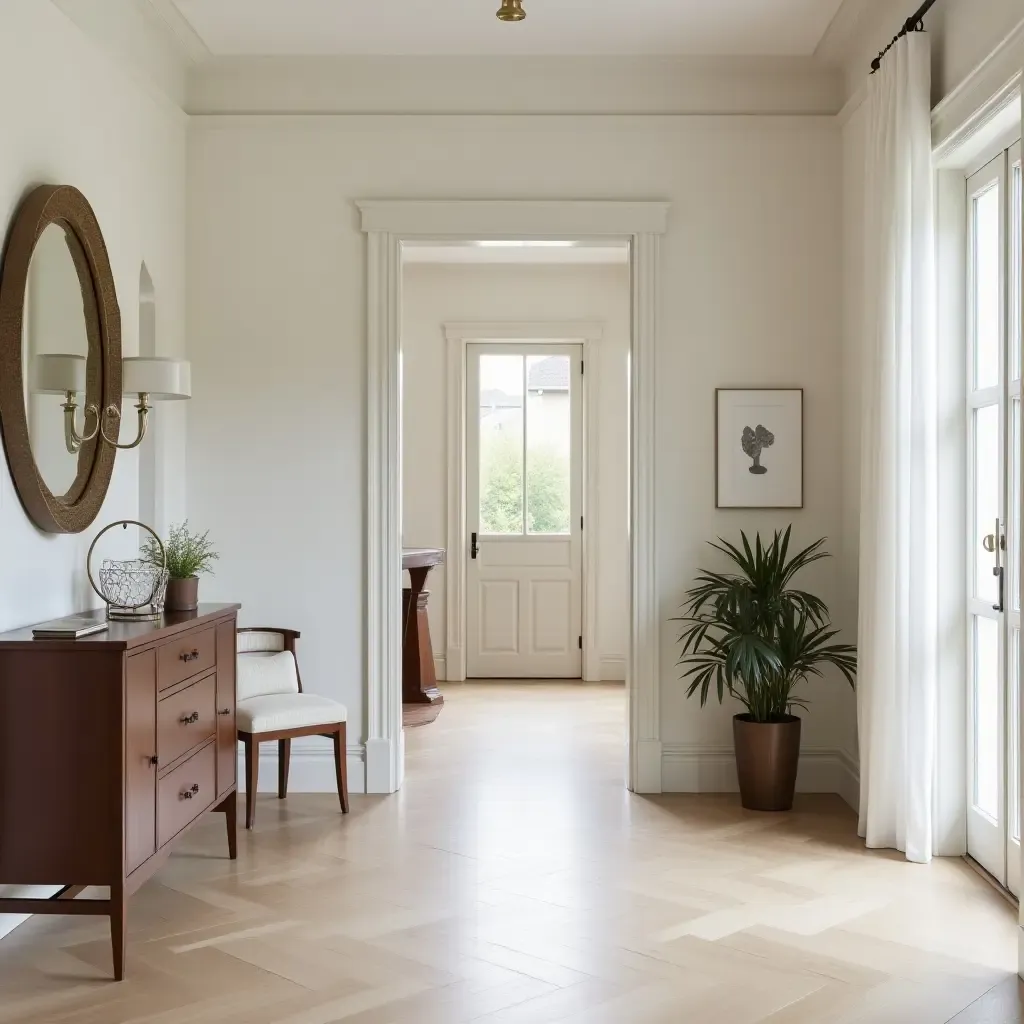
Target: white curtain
898, 620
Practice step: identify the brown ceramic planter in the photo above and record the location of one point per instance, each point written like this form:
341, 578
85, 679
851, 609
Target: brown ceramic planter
767, 755
182, 595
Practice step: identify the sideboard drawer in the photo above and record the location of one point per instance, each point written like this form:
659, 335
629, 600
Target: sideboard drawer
186, 656
182, 795
186, 718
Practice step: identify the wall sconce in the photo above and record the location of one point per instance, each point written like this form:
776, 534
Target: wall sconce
153, 379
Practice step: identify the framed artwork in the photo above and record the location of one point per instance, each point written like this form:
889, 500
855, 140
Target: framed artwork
759, 448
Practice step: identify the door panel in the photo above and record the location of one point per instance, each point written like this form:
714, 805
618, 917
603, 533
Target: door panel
994, 395
524, 506
140, 749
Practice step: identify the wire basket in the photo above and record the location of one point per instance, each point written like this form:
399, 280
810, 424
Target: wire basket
133, 589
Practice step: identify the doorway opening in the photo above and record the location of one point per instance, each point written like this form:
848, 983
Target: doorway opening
515, 466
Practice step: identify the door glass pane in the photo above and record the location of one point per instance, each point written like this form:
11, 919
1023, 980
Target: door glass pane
986, 288
986, 716
548, 444
501, 444
1015, 275
986, 498
1013, 761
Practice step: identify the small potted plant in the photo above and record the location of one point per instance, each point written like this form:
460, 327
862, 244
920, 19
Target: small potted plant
755, 637
188, 555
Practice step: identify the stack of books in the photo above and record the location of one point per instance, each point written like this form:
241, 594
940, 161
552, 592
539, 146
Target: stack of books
70, 628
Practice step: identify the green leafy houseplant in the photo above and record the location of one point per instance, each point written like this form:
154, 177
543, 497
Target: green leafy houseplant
188, 554
755, 636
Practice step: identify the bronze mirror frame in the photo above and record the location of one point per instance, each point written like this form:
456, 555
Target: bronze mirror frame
66, 207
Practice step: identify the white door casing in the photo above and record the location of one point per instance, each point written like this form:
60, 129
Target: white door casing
524, 574
387, 223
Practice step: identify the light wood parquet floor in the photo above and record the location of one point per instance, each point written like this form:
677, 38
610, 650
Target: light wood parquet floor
514, 881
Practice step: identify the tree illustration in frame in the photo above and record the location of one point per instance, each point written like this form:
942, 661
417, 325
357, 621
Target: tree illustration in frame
754, 442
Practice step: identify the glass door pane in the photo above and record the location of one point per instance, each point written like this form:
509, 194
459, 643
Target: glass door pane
548, 445
501, 444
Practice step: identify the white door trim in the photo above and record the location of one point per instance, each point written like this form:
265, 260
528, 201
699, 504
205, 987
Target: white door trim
534, 332
388, 223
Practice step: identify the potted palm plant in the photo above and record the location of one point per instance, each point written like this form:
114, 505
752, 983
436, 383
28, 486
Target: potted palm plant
754, 636
188, 556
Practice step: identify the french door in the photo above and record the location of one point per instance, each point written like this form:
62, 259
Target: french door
524, 498
994, 518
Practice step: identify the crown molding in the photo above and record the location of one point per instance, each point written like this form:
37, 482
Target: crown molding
136, 41
513, 85
179, 30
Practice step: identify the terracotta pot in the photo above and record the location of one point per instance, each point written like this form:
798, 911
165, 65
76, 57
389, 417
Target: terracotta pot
767, 754
182, 595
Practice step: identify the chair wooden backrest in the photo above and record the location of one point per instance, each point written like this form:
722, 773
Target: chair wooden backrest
259, 661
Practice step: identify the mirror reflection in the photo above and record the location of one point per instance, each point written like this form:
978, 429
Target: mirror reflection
55, 354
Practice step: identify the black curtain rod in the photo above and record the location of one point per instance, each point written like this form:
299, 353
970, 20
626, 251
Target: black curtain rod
915, 23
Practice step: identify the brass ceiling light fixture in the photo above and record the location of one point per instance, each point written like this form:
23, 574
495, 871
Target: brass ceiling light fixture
511, 10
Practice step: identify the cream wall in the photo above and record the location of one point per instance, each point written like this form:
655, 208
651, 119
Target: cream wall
750, 294
433, 295
70, 116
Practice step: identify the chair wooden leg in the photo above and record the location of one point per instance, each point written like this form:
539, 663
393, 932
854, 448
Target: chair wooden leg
284, 760
341, 765
252, 778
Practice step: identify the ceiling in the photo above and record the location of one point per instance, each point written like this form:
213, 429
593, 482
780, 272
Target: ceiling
469, 27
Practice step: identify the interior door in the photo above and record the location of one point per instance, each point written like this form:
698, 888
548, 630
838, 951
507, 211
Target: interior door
994, 447
524, 511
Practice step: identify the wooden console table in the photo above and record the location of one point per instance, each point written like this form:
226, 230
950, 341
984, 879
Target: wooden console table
419, 679
111, 747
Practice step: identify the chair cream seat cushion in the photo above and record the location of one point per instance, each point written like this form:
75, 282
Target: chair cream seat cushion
281, 711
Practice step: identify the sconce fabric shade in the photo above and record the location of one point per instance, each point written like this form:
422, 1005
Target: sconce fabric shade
57, 374
164, 380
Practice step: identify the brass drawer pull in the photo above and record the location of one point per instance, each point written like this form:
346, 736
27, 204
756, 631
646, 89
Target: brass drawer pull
188, 656
188, 794
190, 719
224, 711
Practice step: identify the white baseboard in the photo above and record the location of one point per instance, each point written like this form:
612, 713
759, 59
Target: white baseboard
650, 767
613, 669
440, 667
311, 770
691, 768
8, 922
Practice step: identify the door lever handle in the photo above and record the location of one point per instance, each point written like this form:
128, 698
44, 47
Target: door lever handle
474, 549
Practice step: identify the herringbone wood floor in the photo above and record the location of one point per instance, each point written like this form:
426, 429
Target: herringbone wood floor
514, 881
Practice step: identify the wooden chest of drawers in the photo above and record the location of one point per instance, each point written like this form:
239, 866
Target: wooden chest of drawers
111, 747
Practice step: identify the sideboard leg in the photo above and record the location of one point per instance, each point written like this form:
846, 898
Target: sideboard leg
118, 925
231, 817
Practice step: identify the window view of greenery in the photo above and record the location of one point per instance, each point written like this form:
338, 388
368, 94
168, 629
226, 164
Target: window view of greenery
541, 502
501, 488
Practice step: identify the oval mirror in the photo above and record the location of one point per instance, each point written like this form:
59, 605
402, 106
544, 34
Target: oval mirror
60, 359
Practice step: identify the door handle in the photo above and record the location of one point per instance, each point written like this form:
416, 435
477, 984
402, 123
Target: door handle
474, 549
995, 544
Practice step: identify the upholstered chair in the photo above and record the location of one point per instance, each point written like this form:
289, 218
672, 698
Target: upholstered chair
273, 706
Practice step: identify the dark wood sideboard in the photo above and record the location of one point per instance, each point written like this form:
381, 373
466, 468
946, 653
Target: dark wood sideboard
111, 747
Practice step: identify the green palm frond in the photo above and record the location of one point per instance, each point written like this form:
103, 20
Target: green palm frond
754, 636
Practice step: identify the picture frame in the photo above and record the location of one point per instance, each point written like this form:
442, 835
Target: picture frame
759, 448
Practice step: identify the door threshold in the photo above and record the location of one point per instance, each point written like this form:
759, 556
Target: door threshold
992, 881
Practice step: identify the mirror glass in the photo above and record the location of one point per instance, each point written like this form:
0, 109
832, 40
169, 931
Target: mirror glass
55, 357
